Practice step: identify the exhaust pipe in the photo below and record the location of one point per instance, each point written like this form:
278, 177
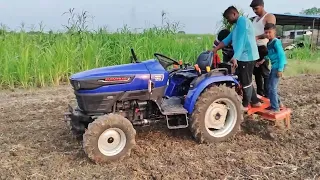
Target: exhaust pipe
144, 122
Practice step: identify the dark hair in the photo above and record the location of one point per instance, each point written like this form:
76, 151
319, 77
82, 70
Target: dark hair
256, 3
223, 34
269, 26
230, 9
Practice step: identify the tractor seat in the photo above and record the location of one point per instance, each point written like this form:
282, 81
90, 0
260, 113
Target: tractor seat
205, 59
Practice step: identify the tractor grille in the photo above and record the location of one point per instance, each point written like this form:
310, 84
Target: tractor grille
96, 103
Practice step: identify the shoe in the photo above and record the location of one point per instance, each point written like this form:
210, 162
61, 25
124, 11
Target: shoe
256, 104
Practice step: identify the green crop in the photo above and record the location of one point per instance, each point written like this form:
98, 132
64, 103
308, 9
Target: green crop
37, 59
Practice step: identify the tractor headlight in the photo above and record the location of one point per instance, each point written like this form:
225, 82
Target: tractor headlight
76, 85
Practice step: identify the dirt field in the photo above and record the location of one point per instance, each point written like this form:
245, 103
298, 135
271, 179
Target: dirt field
35, 143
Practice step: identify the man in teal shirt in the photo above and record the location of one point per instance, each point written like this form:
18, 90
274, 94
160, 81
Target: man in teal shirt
245, 53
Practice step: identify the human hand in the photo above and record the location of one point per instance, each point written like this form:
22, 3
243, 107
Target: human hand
214, 50
234, 63
279, 74
258, 63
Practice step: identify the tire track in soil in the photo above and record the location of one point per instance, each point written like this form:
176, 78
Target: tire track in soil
35, 143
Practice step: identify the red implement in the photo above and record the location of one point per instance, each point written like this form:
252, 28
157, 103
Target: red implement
283, 115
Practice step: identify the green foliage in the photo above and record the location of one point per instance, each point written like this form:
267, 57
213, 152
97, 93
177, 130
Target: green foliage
311, 11
37, 58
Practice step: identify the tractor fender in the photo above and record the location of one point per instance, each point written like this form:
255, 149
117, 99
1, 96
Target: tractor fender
194, 93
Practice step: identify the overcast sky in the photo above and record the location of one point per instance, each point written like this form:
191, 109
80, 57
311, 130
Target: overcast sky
195, 16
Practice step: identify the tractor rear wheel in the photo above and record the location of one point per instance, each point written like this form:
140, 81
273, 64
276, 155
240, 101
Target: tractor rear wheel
109, 138
217, 116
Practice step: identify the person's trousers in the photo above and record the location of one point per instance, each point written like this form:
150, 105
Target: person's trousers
245, 71
262, 72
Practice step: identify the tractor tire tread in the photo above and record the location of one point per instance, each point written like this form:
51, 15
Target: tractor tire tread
197, 122
94, 130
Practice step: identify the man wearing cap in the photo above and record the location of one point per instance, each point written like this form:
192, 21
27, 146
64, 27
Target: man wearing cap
261, 69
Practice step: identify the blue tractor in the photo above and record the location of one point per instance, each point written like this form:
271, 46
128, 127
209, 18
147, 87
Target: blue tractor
111, 101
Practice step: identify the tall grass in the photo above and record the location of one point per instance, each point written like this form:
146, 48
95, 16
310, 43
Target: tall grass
37, 59
40, 59
303, 61
48, 59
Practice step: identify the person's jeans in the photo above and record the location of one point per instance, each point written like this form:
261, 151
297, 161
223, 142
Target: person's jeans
273, 90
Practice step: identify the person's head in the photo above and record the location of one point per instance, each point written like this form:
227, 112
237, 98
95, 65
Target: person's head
231, 14
270, 30
257, 7
223, 34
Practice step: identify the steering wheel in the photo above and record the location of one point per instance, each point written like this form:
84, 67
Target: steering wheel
165, 61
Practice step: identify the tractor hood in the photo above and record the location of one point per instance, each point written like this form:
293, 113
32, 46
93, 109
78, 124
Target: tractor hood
127, 69
133, 76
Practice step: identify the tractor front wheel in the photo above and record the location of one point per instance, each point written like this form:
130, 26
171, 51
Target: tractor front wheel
109, 138
217, 116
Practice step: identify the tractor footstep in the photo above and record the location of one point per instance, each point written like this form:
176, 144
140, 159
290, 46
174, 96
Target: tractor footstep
177, 121
172, 106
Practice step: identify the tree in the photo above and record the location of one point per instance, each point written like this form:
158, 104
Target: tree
311, 11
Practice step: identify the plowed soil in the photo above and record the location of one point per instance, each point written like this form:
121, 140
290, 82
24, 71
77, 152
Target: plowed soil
36, 143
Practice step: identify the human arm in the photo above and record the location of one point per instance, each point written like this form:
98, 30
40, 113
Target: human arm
265, 58
225, 42
258, 63
262, 36
270, 18
240, 37
215, 43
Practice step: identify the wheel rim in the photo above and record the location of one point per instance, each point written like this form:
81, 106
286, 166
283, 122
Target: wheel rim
112, 141
221, 117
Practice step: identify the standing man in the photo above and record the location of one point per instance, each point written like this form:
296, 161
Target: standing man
245, 53
261, 69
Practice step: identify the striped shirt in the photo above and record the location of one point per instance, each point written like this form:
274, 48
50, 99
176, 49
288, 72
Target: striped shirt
243, 40
226, 51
